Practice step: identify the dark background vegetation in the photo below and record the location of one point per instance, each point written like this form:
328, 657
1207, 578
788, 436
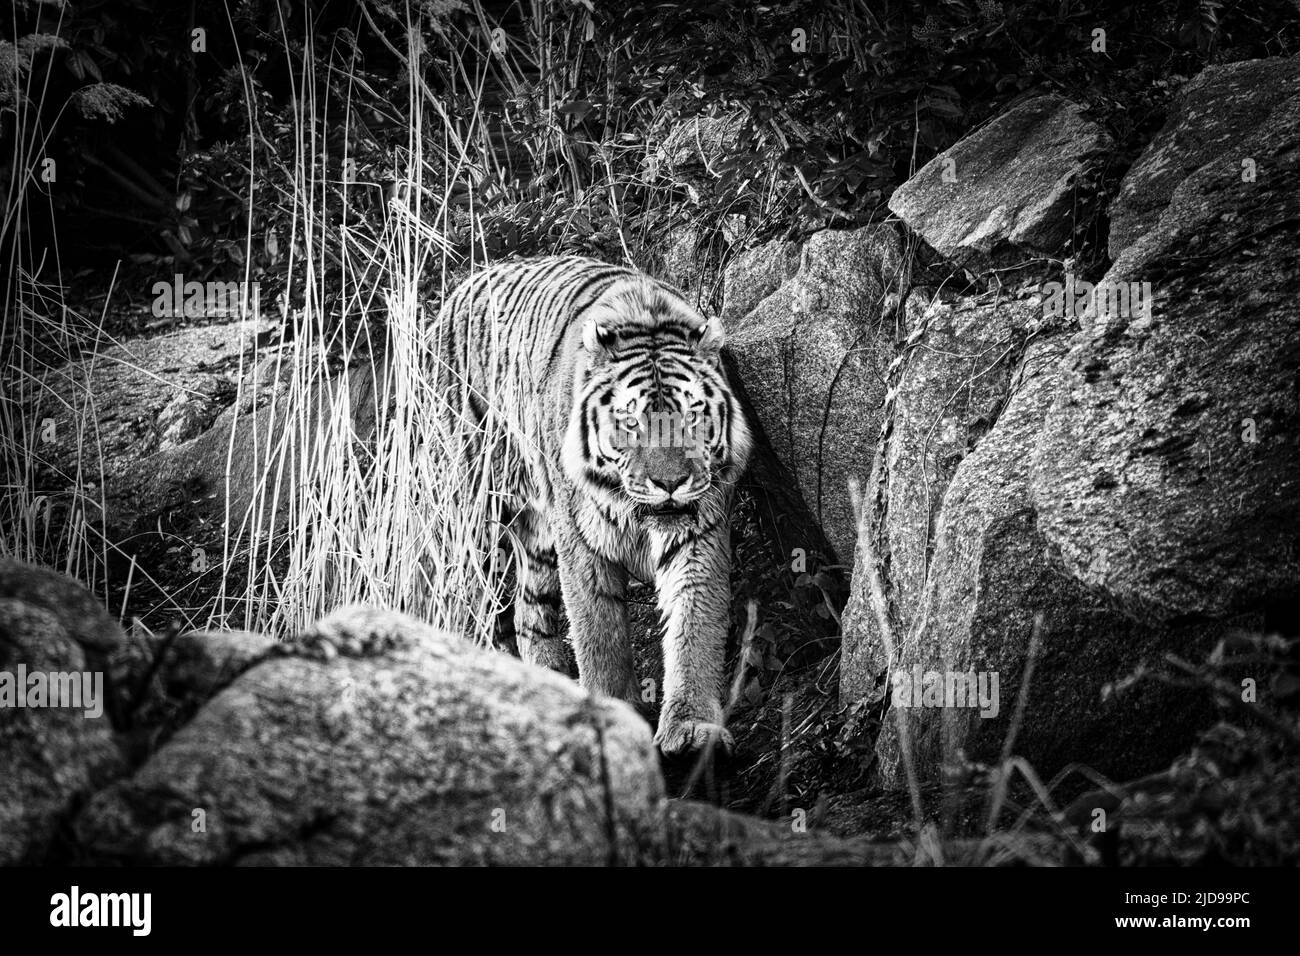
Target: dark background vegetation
569, 113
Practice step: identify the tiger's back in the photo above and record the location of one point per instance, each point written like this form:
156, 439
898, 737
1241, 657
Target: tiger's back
510, 332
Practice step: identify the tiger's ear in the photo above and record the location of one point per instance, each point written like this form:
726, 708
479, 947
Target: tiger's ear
597, 339
709, 337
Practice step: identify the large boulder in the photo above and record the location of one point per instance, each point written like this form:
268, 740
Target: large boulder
1210, 119
186, 421
139, 396
951, 382
124, 423
52, 752
1136, 495
1006, 191
811, 357
1168, 469
163, 439
378, 740
992, 572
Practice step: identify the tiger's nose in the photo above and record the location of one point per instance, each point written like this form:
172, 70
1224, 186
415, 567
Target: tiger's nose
672, 483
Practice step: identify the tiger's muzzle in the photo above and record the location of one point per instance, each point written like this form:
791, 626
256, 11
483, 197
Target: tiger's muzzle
666, 482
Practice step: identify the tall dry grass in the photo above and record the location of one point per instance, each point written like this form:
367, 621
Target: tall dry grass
347, 503
370, 483
61, 527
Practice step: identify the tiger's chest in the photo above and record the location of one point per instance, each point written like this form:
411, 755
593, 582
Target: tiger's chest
614, 536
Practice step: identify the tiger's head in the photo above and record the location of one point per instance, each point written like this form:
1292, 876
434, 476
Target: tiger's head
655, 427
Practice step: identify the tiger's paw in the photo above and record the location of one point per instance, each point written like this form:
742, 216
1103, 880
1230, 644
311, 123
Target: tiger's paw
684, 735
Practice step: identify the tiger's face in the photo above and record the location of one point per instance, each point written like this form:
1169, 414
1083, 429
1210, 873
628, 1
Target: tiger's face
655, 425
663, 447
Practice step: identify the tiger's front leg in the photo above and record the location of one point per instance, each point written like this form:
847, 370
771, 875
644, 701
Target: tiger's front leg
693, 583
595, 600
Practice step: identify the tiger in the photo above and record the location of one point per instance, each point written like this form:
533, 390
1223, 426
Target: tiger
629, 442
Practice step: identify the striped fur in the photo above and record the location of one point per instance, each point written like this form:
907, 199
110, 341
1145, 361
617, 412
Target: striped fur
627, 442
